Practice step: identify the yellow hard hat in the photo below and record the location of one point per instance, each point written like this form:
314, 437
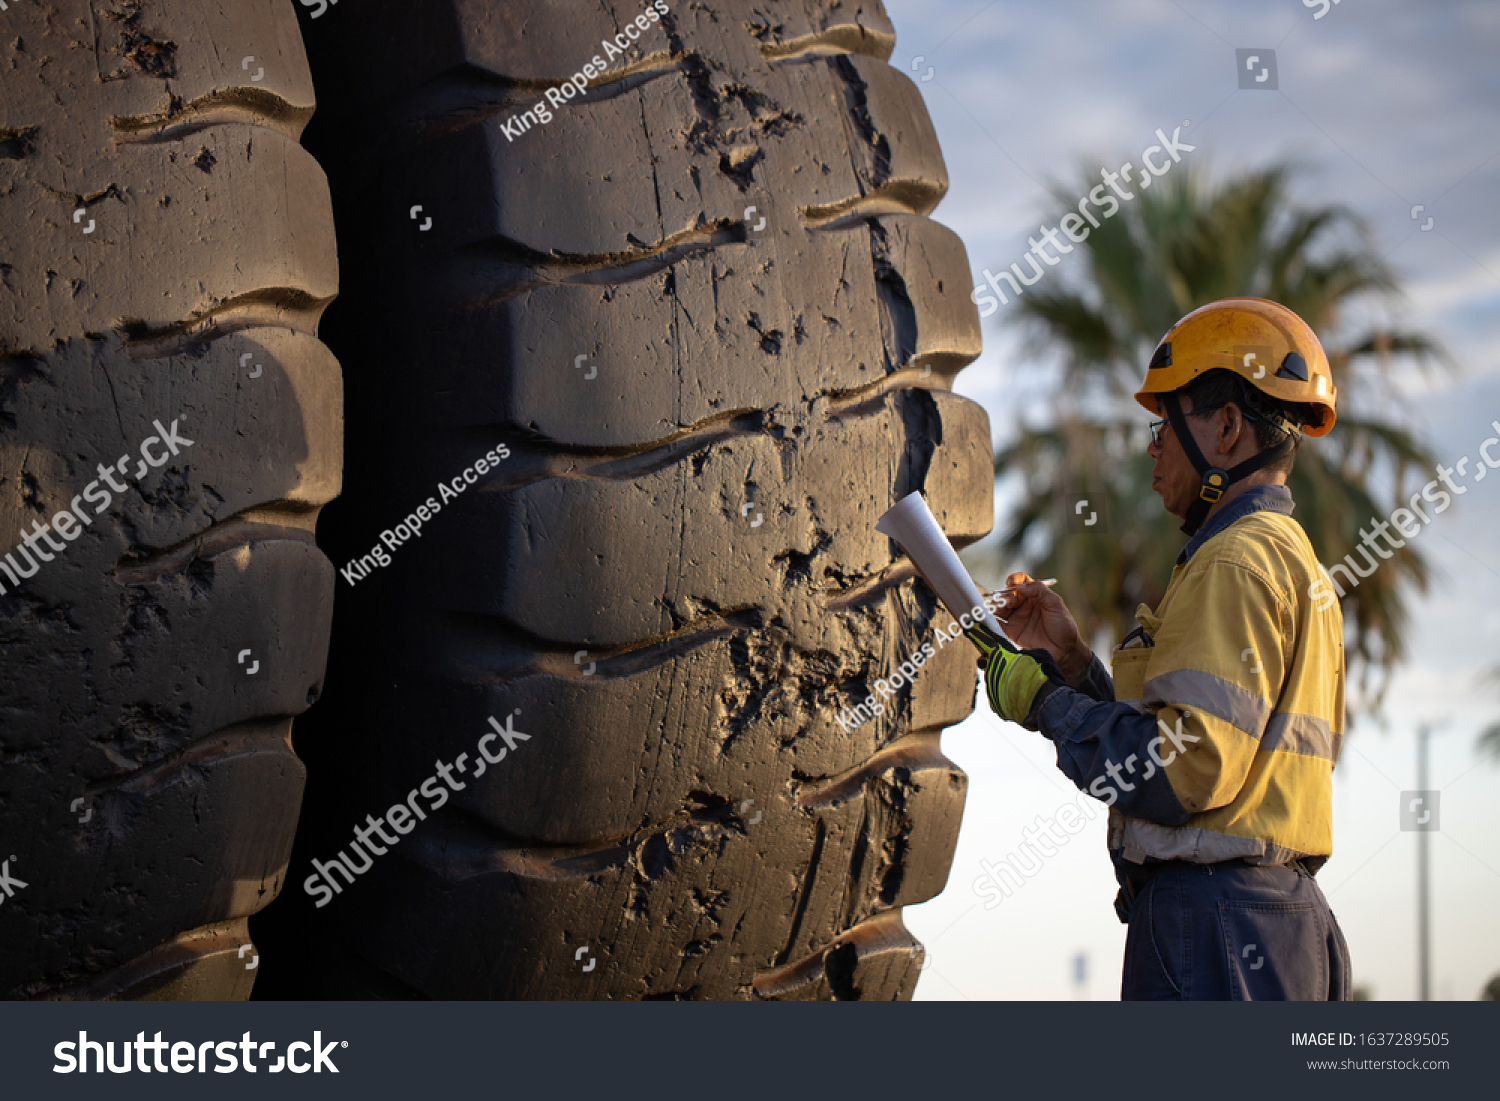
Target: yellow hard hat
1264, 342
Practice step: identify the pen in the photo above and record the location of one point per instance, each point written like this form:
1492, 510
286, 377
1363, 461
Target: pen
1049, 582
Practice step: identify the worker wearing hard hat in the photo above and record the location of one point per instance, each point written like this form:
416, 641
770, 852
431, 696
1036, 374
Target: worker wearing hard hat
1215, 743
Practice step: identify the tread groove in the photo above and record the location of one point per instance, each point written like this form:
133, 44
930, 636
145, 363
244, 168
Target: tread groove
471, 96
251, 106
210, 542
891, 197
505, 269
833, 42
613, 663
291, 308
915, 750
531, 465
250, 735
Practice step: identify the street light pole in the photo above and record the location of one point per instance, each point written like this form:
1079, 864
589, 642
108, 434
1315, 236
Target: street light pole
1424, 944
1428, 800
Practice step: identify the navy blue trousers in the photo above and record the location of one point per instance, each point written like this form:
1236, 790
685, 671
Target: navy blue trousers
1233, 932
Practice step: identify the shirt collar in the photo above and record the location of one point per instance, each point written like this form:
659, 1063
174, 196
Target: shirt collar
1274, 498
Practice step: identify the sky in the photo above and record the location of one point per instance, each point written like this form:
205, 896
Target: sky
1387, 107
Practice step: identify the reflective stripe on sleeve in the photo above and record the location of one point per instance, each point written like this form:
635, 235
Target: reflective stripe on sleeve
1239, 707
1304, 734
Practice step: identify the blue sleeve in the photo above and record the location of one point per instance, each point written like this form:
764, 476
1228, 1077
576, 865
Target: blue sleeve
1096, 682
1105, 748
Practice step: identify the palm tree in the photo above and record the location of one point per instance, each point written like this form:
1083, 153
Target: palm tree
1173, 248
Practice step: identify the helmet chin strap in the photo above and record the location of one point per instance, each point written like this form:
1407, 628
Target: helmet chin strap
1213, 481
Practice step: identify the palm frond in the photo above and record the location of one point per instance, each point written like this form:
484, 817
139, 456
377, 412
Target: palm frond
1180, 244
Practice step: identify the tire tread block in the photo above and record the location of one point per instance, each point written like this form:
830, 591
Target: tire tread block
709, 164
205, 841
101, 60
772, 714
161, 660
89, 402
694, 909
241, 213
817, 528
201, 965
882, 298
385, 49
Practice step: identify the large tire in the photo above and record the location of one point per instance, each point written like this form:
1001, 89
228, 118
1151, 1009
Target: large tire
149, 789
672, 584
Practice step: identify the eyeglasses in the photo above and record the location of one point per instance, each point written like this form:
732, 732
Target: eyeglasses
1156, 426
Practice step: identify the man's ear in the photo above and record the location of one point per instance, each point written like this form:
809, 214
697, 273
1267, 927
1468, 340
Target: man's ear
1228, 438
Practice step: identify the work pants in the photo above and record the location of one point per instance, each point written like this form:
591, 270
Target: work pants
1233, 932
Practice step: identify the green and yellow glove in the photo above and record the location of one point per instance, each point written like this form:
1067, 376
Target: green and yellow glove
1016, 681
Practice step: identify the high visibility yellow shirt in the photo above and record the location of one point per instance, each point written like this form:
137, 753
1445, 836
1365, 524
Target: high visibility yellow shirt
1218, 737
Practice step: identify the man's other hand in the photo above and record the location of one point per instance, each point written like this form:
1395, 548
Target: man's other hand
1037, 618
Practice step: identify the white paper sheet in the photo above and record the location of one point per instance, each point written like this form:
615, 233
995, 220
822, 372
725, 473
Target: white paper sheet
911, 523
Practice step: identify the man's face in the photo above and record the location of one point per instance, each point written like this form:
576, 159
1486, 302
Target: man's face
1173, 475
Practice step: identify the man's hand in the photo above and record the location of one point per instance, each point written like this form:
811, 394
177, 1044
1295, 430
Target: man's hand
1015, 681
1037, 618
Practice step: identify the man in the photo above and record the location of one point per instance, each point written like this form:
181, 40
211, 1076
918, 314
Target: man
1215, 743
